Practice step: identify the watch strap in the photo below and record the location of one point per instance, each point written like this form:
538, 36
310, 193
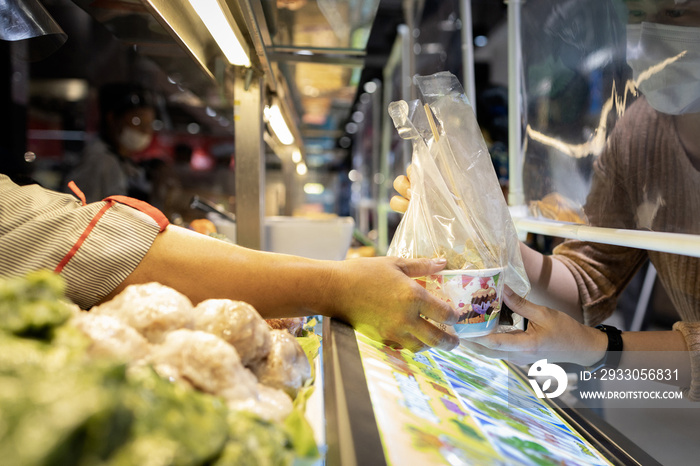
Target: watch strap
613, 352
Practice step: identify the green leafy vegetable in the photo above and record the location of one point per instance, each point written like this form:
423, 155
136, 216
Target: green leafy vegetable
33, 305
59, 406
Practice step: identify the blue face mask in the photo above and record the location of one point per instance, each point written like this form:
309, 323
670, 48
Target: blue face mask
665, 60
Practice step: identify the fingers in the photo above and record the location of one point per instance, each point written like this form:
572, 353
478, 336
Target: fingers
475, 347
433, 337
439, 311
423, 336
420, 334
504, 342
421, 267
398, 204
403, 185
522, 306
408, 342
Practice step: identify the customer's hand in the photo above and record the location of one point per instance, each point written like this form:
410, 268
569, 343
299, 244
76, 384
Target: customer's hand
550, 334
379, 298
402, 184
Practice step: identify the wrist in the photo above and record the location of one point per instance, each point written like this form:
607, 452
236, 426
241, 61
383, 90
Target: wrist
597, 348
327, 298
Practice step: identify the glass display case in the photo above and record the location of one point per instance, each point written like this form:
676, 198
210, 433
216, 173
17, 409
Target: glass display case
385, 406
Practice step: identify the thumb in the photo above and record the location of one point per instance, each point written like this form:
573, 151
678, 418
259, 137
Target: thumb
421, 267
520, 305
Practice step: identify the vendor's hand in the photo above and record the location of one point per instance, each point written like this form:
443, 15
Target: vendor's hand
550, 334
402, 184
379, 298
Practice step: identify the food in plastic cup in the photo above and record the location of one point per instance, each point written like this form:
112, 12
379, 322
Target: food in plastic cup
476, 294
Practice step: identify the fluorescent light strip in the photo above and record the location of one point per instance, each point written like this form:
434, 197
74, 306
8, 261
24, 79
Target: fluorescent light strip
229, 40
278, 124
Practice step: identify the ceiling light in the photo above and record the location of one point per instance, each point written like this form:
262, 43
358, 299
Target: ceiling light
224, 31
301, 169
314, 188
296, 155
273, 115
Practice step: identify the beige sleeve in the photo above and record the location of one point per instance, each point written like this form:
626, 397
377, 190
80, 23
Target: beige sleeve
601, 272
691, 333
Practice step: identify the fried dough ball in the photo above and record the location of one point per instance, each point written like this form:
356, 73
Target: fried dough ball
111, 337
286, 366
206, 362
151, 308
236, 322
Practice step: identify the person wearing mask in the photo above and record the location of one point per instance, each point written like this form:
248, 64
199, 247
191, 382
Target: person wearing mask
107, 166
647, 178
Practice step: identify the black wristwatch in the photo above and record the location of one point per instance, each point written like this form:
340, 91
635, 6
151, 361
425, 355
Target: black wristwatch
613, 353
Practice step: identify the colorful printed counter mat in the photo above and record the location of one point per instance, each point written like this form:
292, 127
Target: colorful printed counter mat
454, 408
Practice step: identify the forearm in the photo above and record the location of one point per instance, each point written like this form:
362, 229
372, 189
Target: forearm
203, 268
657, 350
552, 283
378, 296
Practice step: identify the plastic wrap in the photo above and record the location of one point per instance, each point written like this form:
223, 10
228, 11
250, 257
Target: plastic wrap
286, 366
457, 209
151, 308
237, 323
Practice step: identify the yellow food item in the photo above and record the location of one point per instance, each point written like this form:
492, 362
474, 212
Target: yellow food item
203, 225
557, 207
469, 259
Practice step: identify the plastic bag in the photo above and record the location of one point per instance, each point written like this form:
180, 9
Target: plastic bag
457, 209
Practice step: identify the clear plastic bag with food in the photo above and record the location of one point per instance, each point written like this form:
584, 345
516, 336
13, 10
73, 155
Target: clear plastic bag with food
457, 209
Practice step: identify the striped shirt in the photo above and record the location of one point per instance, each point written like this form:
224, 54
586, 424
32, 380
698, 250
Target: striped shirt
93, 246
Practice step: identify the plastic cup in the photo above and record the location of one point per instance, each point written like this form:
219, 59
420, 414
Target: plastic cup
477, 294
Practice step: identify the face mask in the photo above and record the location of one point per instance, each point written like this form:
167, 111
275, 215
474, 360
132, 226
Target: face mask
665, 60
134, 140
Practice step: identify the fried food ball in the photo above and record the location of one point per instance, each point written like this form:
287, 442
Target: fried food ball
286, 366
151, 308
111, 337
272, 404
236, 322
206, 362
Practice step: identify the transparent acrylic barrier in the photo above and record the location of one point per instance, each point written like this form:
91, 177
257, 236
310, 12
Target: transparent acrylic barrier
611, 101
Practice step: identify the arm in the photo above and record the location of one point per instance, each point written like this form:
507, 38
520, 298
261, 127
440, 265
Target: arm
559, 338
99, 250
553, 284
375, 295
